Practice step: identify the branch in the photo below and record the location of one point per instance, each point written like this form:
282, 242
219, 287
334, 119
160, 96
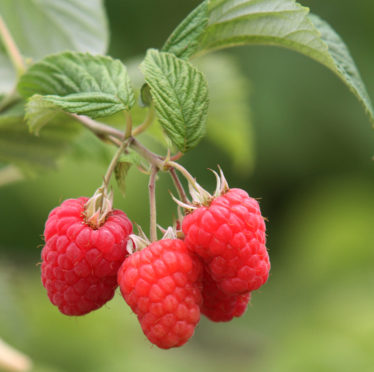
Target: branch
99, 128
178, 185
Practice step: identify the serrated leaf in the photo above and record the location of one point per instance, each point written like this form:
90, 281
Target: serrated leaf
229, 123
184, 40
39, 112
342, 63
32, 154
80, 83
282, 23
43, 27
180, 97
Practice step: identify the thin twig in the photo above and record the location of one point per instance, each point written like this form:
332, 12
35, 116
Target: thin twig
178, 185
184, 171
152, 204
128, 124
146, 123
152, 158
99, 128
113, 163
11, 48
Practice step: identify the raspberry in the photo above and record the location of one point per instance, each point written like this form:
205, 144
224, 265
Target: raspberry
218, 306
229, 236
80, 263
161, 284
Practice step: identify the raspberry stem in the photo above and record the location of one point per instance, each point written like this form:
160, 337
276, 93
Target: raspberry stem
128, 124
187, 175
99, 128
11, 48
113, 163
178, 185
146, 123
152, 204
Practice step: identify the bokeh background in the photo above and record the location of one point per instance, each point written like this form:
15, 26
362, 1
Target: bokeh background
309, 159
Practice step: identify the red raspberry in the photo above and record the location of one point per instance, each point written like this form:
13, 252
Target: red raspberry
218, 306
229, 235
161, 284
80, 263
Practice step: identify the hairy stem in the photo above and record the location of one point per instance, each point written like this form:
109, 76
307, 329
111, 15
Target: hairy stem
178, 185
11, 48
152, 204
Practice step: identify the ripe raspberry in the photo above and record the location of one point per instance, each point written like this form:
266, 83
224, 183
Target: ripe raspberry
80, 263
161, 284
219, 306
229, 235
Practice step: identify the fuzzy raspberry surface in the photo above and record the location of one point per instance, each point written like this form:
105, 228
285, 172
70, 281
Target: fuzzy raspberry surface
229, 236
79, 263
161, 284
219, 306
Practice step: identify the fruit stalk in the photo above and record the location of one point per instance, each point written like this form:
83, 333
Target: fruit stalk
152, 204
11, 48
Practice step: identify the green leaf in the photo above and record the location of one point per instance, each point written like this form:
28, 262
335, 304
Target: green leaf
342, 63
282, 23
44, 27
184, 40
123, 166
145, 96
180, 96
32, 154
80, 83
229, 123
39, 112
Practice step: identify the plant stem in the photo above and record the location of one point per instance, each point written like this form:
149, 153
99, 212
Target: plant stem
152, 158
113, 164
178, 185
11, 48
152, 204
128, 124
98, 128
146, 123
184, 171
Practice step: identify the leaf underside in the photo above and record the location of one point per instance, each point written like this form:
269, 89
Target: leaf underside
283, 23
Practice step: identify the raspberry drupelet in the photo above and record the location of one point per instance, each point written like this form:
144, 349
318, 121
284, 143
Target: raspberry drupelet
162, 285
227, 231
80, 261
218, 306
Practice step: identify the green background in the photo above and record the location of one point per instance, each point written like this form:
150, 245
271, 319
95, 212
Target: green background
314, 173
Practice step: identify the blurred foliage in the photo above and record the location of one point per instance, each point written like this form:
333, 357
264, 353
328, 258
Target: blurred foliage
314, 174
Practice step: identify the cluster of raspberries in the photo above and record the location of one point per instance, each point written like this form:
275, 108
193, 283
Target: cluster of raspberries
169, 283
